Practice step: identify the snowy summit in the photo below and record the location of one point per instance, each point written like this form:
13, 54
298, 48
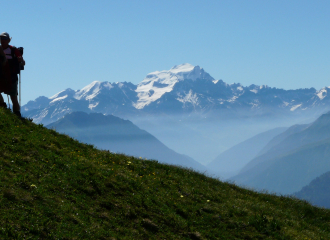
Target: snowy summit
156, 84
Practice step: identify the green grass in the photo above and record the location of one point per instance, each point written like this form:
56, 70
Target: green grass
53, 187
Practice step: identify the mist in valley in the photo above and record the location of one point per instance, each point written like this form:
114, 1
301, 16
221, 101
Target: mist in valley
205, 137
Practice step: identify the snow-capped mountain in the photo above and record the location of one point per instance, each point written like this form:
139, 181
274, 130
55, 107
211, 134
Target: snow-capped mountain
182, 89
156, 84
104, 97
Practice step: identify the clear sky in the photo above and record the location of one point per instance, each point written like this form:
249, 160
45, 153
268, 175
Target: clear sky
69, 44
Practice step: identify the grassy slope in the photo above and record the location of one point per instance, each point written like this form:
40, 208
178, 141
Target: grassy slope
53, 187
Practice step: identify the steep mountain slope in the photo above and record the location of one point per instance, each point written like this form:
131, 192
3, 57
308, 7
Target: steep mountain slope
118, 135
294, 138
53, 187
230, 162
293, 163
279, 138
317, 192
290, 172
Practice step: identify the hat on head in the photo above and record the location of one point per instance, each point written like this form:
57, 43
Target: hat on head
5, 35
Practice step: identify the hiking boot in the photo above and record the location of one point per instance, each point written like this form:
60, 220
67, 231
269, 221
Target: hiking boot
4, 105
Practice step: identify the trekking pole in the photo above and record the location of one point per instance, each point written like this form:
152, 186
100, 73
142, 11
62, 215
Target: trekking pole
21, 67
20, 91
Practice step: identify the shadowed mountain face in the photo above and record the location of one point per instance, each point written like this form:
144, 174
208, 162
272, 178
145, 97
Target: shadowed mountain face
230, 162
317, 192
302, 155
118, 135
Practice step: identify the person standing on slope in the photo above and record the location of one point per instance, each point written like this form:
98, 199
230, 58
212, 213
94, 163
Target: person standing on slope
9, 78
2, 58
3, 61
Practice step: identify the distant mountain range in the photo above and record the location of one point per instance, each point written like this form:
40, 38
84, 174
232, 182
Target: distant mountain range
184, 89
291, 160
121, 136
187, 109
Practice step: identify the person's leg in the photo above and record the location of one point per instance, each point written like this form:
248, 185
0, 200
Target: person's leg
2, 102
16, 108
13, 95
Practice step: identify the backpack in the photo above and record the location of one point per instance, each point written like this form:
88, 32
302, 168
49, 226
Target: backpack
17, 67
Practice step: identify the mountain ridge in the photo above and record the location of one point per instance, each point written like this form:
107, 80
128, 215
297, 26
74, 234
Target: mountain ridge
187, 101
120, 136
231, 161
183, 89
291, 164
298, 137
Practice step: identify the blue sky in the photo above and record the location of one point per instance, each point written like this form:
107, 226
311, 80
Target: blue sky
69, 44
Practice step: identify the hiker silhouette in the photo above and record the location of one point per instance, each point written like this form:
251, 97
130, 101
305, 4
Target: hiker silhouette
11, 60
